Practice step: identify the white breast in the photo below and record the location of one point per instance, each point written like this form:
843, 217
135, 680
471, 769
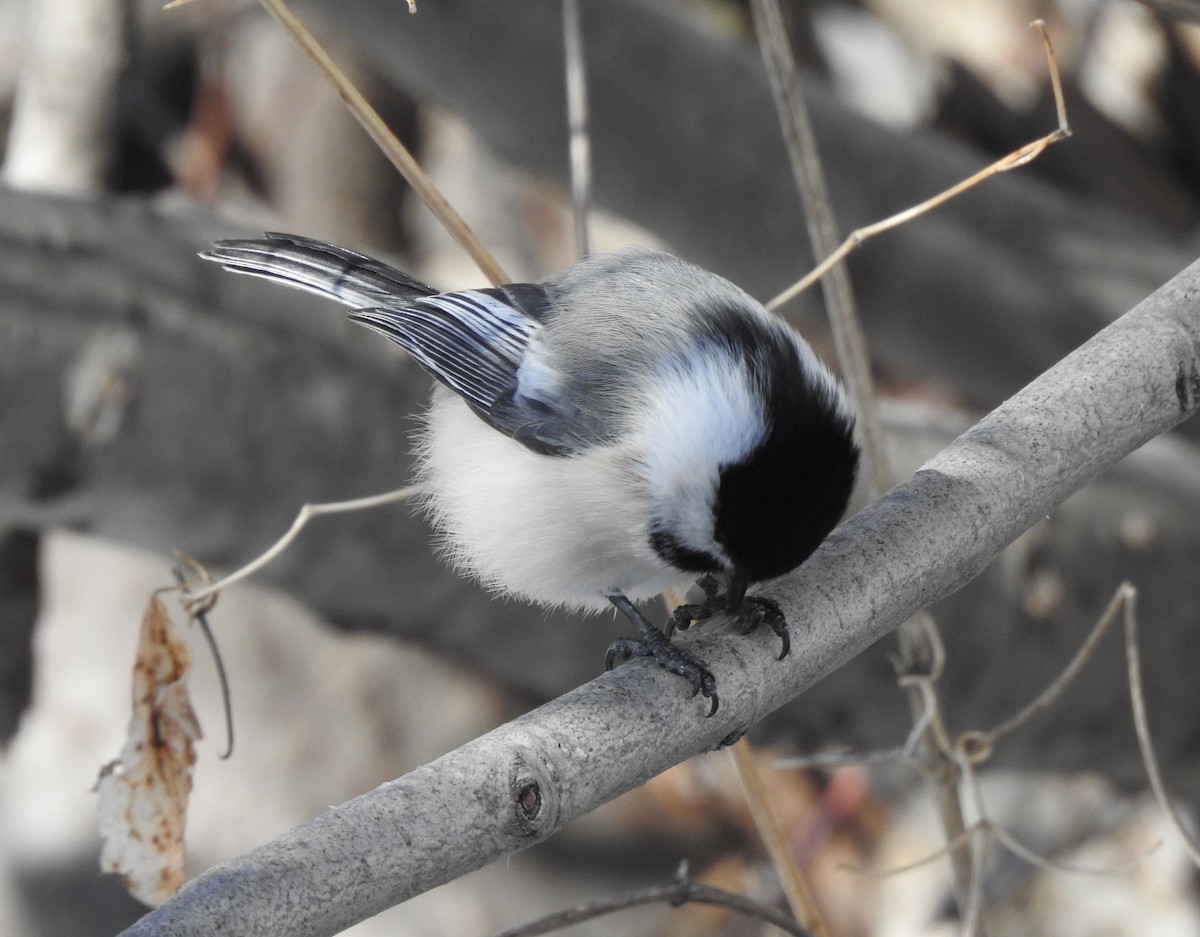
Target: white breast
563, 530
556, 530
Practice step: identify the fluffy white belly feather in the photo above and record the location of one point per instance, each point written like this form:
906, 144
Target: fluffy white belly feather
524, 524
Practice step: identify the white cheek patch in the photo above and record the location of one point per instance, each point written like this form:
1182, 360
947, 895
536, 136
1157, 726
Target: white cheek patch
700, 417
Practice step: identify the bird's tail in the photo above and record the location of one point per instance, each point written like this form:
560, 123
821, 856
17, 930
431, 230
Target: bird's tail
334, 272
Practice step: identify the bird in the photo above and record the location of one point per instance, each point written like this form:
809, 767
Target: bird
630, 425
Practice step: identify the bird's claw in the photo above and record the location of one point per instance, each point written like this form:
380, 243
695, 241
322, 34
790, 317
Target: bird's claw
753, 612
675, 659
757, 611
681, 619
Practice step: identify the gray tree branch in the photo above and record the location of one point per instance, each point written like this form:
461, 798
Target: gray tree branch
920, 542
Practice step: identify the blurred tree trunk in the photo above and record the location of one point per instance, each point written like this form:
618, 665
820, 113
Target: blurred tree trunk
64, 116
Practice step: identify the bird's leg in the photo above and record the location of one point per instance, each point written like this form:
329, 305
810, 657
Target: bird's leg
752, 610
656, 645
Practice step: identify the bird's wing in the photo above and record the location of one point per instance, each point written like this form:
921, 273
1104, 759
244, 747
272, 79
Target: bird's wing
474, 342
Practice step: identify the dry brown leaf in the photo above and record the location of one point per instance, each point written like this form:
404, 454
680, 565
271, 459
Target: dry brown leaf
144, 793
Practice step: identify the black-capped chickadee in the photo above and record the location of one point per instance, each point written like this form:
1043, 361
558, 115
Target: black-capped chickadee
610, 433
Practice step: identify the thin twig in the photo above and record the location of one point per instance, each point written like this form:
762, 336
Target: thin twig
973, 912
849, 341
944, 850
921, 646
201, 619
387, 141
676, 893
200, 616
826, 760
943, 779
919, 640
1012, 844
795, 886
580, 142
929, 723
1017, 158
971, 748
920, 664
1060, 103
988, 828
307, 513
1022, 851
1142, 723
1047, 697
850, 344
967, 760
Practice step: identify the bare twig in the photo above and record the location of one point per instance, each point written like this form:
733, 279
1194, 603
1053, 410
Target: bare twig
919, 665
972, 748
391, 146
678, 892
1142, 724
1014, 159
801, 144
1021, 851
922, 689
199, 615
577, 125
307, 513
943, 778
987, 826
920, 642
849, 340
945, 849
826, 760
973, 912
984, 829
1046, 698
795, 886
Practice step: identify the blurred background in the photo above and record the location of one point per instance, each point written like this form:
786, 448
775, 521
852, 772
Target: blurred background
149, 401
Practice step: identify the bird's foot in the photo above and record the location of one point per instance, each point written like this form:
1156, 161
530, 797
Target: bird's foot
752, 611
655, 645
758, 611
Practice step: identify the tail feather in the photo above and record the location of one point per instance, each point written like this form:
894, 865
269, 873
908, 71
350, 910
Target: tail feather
353, 279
